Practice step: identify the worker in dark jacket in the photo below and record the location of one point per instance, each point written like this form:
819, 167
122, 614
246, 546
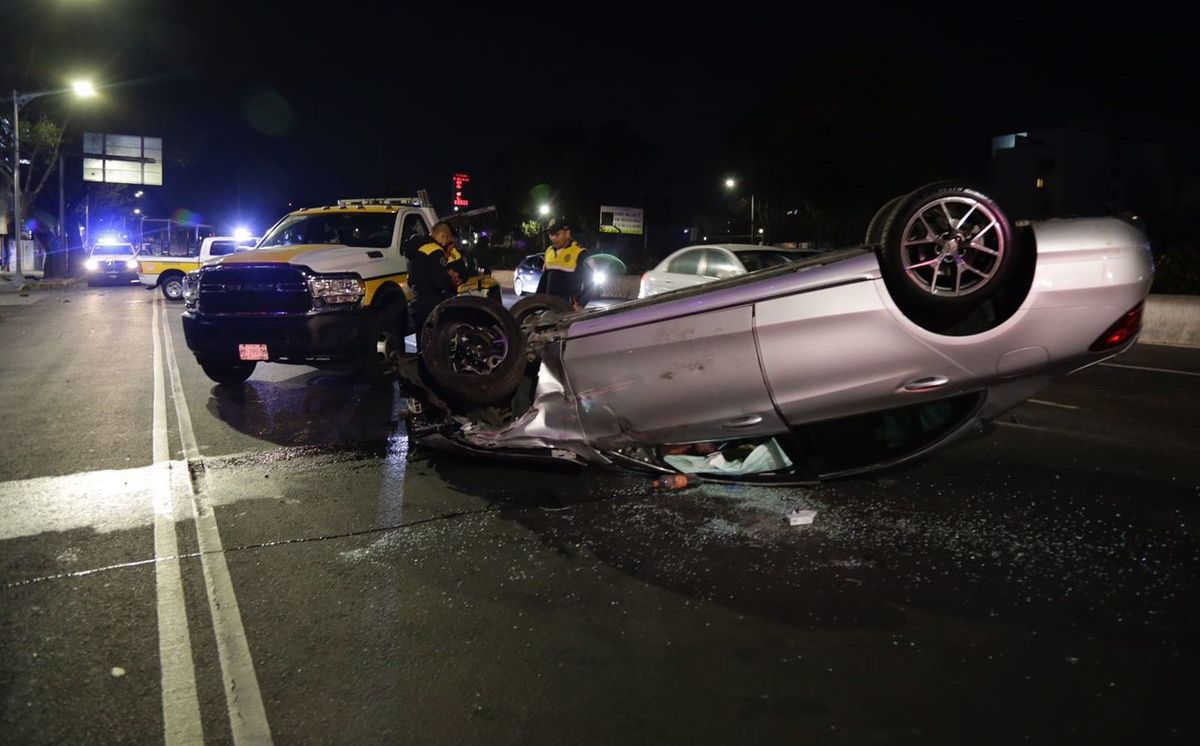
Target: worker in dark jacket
565, 272
433, 272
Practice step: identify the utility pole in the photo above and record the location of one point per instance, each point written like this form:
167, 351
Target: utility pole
16, 167
62, 229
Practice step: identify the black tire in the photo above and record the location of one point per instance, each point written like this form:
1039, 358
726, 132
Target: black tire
385, 341
874, 235
946, 247
228, 372
539, 303
473, 351
171, 285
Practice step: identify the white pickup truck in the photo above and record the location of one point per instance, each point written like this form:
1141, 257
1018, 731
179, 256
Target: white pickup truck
167, 272
327, 287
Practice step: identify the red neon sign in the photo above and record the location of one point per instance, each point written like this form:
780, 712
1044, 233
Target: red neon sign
460, 179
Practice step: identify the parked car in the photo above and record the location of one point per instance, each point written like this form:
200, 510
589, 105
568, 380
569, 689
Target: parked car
112, 261
946, 317
694, 265
528, 274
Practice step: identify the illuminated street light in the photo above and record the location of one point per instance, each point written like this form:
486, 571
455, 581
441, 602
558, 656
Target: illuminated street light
82, 89
241, 233
730, 183
543, 209
137, 211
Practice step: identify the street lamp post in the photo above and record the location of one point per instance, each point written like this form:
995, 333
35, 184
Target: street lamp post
82, 89
730, 184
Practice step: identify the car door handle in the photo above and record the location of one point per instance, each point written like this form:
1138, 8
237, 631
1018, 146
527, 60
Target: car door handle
929, 383
740, 422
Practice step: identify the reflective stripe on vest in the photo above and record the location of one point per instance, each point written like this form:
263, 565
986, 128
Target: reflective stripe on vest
430, 249
563, 260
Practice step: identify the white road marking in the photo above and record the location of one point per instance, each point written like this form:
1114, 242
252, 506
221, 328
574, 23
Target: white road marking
247, 715
1152, 370
180, 703
1045, 403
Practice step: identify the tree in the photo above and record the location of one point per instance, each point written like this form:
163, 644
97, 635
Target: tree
41, 145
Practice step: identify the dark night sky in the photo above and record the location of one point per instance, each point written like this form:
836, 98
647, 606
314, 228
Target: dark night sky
271, 102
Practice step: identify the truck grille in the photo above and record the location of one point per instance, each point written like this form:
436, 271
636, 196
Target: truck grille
254, 289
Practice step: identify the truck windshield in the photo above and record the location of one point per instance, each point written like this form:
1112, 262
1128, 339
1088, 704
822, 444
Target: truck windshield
367, 229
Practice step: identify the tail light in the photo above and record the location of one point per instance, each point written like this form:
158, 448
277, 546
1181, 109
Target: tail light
1121, 332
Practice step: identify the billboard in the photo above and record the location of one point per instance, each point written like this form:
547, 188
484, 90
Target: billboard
626, 221
122, 159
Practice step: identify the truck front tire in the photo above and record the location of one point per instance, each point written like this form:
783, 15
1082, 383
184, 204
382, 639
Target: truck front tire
227, 372
386, 339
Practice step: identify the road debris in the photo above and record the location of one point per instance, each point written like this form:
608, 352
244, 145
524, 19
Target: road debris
801, 517
675, 482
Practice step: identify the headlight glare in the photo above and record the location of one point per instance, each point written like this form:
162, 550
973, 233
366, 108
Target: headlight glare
336, 290
131, 264
191, 287
91, 265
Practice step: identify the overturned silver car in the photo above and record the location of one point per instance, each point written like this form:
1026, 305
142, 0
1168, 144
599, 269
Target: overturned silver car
853, 361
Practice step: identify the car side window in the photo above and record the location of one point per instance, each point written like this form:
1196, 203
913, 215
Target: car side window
222, 248
414, 225
687, 263
719, 264
537, 261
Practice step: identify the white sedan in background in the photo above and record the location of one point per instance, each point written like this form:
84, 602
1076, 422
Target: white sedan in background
696, 265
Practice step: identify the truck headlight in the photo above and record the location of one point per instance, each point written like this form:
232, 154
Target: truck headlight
191, 288
91, 265
336, 290
131, 264
599, 278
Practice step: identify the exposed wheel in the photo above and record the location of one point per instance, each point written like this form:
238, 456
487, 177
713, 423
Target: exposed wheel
537, 304
381, 361
945, 246
473, 350
172, 286
874, 235
227, 372
518, 290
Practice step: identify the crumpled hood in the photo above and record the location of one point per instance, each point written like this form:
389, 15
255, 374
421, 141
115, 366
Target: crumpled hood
317, 257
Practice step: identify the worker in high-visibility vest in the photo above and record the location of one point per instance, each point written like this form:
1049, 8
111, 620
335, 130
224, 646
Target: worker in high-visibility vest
565, 273
433, 273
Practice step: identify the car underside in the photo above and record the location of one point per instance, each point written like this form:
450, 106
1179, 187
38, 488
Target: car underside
841, 364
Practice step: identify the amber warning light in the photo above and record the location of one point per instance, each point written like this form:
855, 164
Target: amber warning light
1121, 332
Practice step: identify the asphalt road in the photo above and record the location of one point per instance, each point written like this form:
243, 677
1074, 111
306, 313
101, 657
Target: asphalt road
178, 562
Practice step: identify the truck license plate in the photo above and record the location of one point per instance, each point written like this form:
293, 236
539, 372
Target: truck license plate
252, 352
